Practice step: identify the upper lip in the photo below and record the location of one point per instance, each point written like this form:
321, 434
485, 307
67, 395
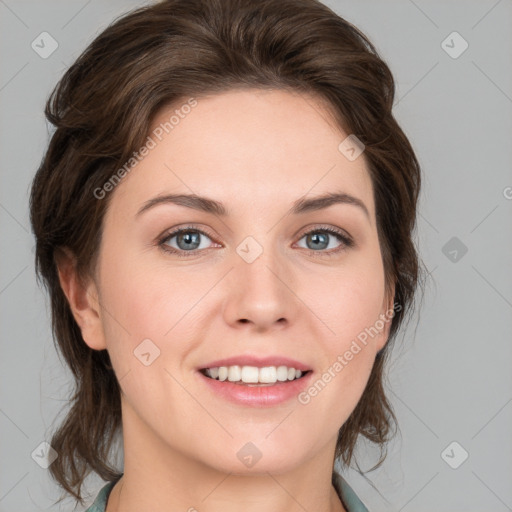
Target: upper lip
248, 360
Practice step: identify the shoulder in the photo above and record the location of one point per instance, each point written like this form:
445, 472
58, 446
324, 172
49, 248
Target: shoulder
100, 503
347, 495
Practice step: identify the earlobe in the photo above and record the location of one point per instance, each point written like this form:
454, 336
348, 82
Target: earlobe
82, 299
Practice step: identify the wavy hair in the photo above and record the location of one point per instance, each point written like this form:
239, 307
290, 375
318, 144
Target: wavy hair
102, 109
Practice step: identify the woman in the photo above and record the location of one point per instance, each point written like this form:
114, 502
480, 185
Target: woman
224, 221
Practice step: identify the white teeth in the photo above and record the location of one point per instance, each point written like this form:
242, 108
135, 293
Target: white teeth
253, 374
268, 375
234, 373
282, 373
249, 374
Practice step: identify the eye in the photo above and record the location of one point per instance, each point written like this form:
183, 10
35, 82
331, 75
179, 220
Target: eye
188, 240
319, 239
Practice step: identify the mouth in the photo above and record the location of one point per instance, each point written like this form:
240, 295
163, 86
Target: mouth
260, 386
252, 376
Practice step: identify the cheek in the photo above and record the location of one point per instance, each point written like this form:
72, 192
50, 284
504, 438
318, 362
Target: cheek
359, 311
351, 312
149, 302
144, 298
349, 306
144, 327
349, 301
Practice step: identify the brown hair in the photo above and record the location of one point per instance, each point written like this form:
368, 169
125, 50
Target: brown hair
102, 110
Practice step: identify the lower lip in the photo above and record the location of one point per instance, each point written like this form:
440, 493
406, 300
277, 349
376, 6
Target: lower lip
258, 396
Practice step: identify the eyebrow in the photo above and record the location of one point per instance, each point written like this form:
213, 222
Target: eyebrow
300, 206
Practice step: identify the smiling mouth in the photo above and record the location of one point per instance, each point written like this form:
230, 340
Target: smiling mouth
205, 372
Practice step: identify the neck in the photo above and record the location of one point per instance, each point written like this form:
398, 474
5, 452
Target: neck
158, 476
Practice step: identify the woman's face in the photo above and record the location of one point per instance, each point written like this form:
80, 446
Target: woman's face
255, 284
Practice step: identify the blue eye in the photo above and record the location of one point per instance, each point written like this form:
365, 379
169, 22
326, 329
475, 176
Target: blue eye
320, 238
188, 241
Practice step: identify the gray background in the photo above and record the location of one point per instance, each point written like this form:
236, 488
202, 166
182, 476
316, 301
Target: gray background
450, 378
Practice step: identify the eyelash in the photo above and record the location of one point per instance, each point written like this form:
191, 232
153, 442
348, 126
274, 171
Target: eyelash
347, 242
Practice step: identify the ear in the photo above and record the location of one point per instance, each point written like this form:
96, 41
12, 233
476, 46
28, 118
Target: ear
83, 299
387, 314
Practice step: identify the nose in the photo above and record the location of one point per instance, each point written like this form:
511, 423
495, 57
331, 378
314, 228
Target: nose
259, 294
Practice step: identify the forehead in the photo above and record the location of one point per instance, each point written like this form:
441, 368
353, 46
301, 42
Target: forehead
257, 147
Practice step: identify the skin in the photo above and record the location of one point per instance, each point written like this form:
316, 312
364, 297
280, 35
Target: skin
257, 152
